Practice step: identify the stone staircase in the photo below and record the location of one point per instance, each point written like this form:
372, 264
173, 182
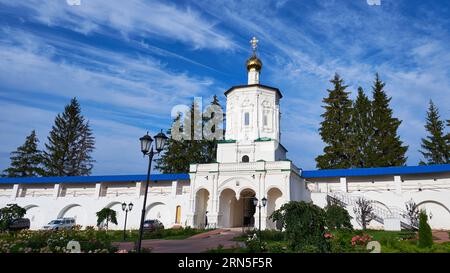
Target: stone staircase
379, 212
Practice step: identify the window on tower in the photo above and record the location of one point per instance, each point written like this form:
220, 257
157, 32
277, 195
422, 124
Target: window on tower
265, 120
247, 119
245, 158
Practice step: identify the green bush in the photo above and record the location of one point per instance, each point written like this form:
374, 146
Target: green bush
425, 235
337, 217
55, 241
304, 225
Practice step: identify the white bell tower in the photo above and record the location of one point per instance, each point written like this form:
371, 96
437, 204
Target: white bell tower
252, 119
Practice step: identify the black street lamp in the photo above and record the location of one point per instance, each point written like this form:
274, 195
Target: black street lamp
147, 149
126, 209
260, 205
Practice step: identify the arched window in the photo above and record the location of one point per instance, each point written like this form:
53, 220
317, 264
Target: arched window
246, 118
178, 215
245, 158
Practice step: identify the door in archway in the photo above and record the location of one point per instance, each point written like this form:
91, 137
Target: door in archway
178, 215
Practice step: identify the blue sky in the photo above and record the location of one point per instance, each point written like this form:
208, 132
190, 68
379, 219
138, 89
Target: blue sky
130, 62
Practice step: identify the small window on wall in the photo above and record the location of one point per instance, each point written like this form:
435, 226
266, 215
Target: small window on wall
247, 119
245, 158
265, 120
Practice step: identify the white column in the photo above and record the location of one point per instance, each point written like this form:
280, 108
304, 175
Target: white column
138, 189
174, 189
98, 189
56, 189
15, 191
398, 184
343, 182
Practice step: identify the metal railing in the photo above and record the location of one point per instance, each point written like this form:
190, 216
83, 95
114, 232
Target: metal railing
379, 212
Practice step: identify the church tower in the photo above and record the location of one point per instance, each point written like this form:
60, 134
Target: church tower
252, 119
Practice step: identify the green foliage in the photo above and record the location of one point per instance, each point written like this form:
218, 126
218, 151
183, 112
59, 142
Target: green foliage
361, 131
70, 144
27, 241
200, 148
304, 224
9, 214
255, 245
335, 127
425, 234
387, 149
27, 160
436, 146
337, 217
108, 215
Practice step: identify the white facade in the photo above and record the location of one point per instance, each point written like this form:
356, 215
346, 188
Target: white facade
251, 162
47, 201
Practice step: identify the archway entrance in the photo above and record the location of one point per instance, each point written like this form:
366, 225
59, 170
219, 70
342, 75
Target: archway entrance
274, 202
201, 208
234, 212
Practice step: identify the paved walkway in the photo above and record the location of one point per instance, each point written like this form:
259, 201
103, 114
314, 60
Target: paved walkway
441, 236
195, 244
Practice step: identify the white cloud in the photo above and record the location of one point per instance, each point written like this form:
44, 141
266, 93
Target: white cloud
131, 18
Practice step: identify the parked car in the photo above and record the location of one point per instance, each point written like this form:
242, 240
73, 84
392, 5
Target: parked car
152, 225
62, 223
19, 224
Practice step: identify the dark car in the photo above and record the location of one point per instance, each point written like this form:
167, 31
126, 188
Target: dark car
152, 225
19, 224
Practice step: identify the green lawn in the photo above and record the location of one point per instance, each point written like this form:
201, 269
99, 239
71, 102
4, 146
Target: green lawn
90, 240
390, 241
167, 234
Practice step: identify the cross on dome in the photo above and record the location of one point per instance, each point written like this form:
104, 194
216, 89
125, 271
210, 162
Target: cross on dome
254, 43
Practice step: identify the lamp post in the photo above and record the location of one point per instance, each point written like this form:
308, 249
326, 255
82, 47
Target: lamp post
260, 205
126, 209
147, 149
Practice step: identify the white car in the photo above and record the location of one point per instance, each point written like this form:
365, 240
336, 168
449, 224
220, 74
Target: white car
62, 223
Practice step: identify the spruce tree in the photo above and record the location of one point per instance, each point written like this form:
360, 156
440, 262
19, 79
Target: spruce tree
26, 161
178, 154
70, 144
362, 130
435, 147
386, 146
335, 128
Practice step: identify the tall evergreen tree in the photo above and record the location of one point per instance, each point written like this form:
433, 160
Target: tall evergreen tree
26, 161
178, 154
362, 130
70, 144
335, 127
386, 146
435, 147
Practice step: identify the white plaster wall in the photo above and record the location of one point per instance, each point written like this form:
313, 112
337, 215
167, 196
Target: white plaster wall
430, 191
43, 208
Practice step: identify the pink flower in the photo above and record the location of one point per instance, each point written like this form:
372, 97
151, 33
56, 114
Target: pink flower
361, 240
122, 251
328, 236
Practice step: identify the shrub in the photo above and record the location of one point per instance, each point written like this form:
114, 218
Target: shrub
304, 225
425, 235
254, 245
9, 214
337, 217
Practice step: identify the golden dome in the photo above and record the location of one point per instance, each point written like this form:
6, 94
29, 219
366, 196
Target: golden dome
254, 62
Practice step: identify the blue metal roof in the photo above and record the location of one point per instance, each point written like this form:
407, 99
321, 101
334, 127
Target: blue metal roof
377, 171
92, 179
184, 176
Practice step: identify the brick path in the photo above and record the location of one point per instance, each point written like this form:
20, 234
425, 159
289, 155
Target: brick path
195, 244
